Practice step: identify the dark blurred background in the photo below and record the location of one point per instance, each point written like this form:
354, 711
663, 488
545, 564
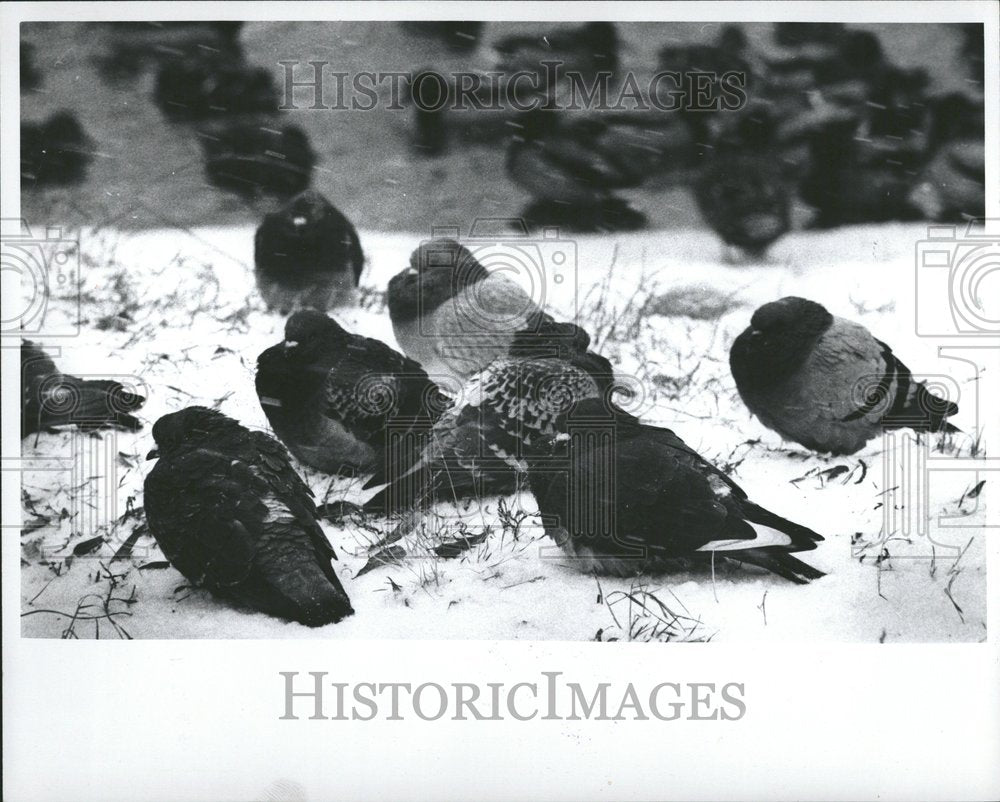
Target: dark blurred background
145, 165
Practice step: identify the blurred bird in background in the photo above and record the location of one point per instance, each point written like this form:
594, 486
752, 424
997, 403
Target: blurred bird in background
742, 191
572, 168
252, 157
55, 151
307, 255
205, 86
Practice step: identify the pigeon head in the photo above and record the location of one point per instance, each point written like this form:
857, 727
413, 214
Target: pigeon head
308, 326
791, 315
438, 270
780, 337
305, 208
860, 49
601, 37
124, 399
188, 429
732, 38
450, 256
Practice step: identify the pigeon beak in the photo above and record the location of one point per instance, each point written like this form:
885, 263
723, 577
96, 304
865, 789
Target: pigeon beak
154, 454
290, 344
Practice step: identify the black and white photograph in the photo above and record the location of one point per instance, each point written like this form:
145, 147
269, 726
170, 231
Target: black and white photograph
607, 326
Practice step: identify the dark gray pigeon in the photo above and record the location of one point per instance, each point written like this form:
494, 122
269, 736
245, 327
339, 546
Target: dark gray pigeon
454, 316
232, 516
620, 497
331, 395
307, 255
827, 383
51, 398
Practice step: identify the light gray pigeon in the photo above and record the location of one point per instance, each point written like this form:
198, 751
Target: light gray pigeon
827, 383
455, 317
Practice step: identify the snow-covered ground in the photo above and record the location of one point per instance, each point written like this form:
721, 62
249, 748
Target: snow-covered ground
179, 310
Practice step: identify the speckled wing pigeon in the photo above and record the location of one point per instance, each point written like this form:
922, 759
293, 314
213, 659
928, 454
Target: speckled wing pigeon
331, 396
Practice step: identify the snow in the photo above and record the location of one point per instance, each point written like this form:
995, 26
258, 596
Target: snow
178, 309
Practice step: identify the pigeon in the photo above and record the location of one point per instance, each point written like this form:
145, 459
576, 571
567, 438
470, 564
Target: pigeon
254, 157
333, 397
438, 104
572, 168
586, 50
793, 34
31, 77
741, 191
430, 127
307, 254
458, 36
952, 183
55, 151
848, 184
859, 57
728, 54
130, 48
50, 398
621, 497
202, 86
230, 514
474, 449
973, 51
827, 383
452, 315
